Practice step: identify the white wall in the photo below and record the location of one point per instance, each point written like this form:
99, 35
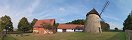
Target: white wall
69, 30
59, 30
78, 30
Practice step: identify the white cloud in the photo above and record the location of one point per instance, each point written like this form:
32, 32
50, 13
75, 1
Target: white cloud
115, 25
62, 13
113, 21
111, 17
16, 15
62, 9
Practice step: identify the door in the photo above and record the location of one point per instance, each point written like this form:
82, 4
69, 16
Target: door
64, 30
100, 30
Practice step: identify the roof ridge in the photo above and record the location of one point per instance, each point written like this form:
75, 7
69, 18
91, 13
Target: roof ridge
93, 11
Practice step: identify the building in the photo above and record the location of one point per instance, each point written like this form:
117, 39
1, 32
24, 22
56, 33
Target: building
92, 23
39, 29
70, 28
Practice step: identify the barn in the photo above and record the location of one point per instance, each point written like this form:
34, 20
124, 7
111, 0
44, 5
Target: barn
39, 29
70, 28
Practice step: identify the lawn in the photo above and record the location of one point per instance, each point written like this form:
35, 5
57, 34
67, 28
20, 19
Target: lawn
9, 37
71, 36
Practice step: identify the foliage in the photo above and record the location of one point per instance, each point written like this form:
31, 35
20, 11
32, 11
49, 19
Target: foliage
33, 23
46, 26
23, 25
56, 25
105, 26
5, 23
116, 29
128, 22
78, 21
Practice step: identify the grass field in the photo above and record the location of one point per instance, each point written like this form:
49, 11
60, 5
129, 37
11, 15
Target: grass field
71, 36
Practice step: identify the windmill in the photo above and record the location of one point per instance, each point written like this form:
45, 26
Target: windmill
93, 18
105, 6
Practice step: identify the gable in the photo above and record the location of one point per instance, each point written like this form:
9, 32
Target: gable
46, 21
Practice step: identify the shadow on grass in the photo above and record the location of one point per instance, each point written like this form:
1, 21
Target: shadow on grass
118, 36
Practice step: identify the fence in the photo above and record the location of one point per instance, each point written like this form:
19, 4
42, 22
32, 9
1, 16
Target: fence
129, 34
2, 34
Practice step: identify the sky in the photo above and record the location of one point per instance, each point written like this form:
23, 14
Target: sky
65, 10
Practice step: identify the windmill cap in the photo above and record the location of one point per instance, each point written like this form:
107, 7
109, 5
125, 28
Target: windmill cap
93, 11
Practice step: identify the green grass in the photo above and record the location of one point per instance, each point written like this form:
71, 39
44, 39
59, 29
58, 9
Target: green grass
9, 37
119, 36
72, 36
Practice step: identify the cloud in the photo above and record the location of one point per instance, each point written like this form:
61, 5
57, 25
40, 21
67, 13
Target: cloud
111, 17
117, 12
16, 15
32, 7
113, 21
115, 25
62, 9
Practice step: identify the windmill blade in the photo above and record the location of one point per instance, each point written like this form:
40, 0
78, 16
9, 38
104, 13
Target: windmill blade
105, 6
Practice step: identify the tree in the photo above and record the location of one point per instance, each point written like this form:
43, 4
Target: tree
1, 25
78, 21
128, 22
23, 25
104, 26
56, 25
47, 27
6, 23
116, 29
33, 23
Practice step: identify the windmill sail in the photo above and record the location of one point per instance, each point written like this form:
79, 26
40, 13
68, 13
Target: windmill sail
105, 6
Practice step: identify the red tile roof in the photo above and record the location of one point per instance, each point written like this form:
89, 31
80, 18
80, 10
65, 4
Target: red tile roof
47, 21
70, 26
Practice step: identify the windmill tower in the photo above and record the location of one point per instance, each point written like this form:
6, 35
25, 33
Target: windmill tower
93, 19
92, 23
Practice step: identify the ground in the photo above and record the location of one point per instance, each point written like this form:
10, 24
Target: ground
70, 36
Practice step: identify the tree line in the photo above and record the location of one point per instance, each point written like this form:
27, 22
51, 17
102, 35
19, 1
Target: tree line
23, 25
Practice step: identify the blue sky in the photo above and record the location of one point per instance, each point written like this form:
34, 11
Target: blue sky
65, 10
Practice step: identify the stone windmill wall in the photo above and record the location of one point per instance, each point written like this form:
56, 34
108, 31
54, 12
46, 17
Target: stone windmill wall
92, 23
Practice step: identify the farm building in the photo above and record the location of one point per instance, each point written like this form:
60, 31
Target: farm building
70, 28
39, 29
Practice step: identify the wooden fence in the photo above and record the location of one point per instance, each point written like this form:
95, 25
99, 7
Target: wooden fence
128, 34
2, 35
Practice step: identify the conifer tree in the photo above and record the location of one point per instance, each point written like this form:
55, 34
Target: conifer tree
24, 25
33, 23
128, 22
